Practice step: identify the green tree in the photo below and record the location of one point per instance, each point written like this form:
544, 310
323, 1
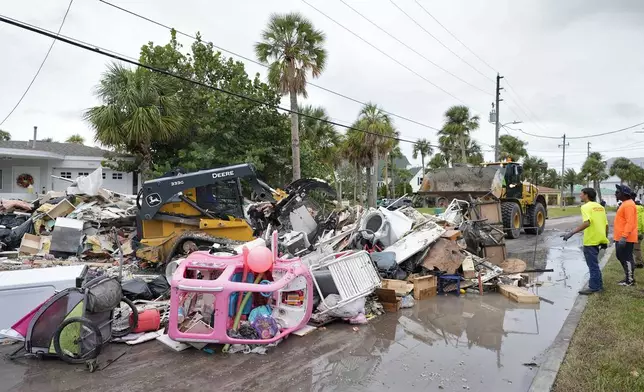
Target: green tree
396, 153
512, 148
534, 169
138, 108
455, 133
474, 153
621, 168
76, 139
423, 148
377, 138
4, 136
357, 153
220, 129
551, 179
571, 178
292, 47
47, 140
594, 168
438, 161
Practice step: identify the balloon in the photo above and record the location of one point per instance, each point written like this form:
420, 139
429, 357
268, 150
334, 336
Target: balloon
260, 259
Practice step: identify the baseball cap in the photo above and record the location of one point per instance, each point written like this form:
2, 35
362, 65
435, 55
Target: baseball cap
625, 189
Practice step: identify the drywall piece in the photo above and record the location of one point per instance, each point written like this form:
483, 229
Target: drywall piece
444, 256
415, 242
468, 268
176, 346
301, 220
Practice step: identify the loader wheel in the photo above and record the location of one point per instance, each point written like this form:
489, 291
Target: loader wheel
536, 218
512, 219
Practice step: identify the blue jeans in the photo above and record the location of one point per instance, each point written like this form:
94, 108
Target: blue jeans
591, 253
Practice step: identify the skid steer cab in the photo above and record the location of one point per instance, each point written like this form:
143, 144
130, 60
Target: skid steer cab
181, 212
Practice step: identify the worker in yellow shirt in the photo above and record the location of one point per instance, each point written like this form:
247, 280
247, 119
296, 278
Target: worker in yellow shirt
595, 228
637, 249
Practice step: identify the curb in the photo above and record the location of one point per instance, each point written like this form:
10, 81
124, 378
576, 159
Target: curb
547, 373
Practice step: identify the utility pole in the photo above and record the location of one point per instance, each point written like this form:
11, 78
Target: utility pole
588, 156
498, 117
563, 166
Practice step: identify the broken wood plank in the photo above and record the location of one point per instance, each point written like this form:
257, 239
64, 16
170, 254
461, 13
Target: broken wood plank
401, 287
452, 235
387, 297
518, 294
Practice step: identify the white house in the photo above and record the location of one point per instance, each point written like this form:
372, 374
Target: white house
25, 162
417, 180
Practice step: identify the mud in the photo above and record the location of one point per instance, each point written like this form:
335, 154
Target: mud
450, 343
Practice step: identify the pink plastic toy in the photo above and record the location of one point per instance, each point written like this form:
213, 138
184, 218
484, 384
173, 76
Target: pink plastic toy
205, 282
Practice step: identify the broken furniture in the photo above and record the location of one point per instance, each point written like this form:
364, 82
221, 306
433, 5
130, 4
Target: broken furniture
199, 308
353, 273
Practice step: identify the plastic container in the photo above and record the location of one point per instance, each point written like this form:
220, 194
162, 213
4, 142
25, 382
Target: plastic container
149, 320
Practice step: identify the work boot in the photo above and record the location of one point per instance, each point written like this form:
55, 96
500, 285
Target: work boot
588, 291
626, 283
621, 282
639, 265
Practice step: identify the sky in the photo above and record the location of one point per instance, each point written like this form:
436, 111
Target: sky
569, 67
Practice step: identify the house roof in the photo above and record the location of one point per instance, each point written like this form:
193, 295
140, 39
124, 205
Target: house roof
66, 149
545, 189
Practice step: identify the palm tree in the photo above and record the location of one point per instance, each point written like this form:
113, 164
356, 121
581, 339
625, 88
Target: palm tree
621, 168
571, 178
138, 109
395, 153
379, 140
534, 169
355, 152
512, 148
423, 148
458, 126
551, 179
4, 136
77, 139
594, 169
474, 153
292, 48
438, 161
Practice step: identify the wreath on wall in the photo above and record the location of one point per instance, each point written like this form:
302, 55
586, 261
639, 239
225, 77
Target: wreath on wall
24, 180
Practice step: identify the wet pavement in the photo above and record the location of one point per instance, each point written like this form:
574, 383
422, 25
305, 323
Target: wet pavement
472, 342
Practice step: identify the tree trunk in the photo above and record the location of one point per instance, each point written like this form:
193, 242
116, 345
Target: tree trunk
463, 152
598, 189
386, 176
355, 184
368, 176
393, 178
338, 187
295, 137
146, 162
422, 162
359, 181
572, 189
374, 179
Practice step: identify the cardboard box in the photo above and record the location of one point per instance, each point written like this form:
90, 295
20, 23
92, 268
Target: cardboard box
387, 297
61, 209
424, 286
30, 245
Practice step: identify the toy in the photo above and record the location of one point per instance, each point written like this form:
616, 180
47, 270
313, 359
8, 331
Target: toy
203, 286
260, 259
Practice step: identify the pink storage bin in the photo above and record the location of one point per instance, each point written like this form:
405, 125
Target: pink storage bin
213, 290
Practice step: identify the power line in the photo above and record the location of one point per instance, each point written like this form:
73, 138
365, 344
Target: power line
261, 64
439, 41
113, 55
62, 23
578, 137
414, 50
384, 53
455, 37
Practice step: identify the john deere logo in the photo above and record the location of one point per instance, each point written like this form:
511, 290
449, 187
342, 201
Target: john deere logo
153, 200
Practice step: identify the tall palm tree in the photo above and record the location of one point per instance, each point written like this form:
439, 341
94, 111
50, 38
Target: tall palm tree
512, 147
621, 168
395, 153
594, 168
138, 109
292, 48
76, 139
355, 152
534, 169
423, 148
457, 128
377, 139
571, 178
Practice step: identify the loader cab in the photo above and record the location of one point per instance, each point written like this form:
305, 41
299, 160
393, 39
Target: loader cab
513, 181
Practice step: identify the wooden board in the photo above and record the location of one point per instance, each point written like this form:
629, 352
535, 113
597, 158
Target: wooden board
518, 294
451, 235
401, 287
387, 297
424, 287
513, 266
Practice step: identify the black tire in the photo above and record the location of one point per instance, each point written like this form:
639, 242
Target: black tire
512, 219
536, 218
89, 334
132, 325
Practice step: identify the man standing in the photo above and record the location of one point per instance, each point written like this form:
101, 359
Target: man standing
625, 233
637, 249
595, 228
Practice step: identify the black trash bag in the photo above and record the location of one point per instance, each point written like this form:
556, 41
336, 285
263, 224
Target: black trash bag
13, 239
386, 263
137, 288
159, 287
104, 296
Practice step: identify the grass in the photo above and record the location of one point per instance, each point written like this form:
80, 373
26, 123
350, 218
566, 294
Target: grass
425, 210
558, 212
606, 352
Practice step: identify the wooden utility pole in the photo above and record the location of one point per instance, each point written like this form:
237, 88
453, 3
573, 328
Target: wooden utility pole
497, 125
563, 168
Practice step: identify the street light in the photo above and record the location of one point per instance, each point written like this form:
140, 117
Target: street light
512, 122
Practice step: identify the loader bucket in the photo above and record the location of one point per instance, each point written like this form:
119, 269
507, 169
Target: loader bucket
463, 181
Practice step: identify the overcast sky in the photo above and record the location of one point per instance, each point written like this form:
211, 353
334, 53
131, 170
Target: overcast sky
575, 65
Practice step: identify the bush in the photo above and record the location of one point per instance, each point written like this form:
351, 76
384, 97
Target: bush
570, 200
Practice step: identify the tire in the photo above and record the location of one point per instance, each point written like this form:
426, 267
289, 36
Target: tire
88, 333
442, 202
512, 219
132, 325
536, 218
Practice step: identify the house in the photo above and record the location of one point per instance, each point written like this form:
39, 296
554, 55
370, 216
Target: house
399, 163
611, 181
27, 162
417, 179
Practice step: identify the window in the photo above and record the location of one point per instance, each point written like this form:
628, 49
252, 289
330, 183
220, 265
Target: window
420, 180
83, 174
66, 175
117, 176
103, 175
